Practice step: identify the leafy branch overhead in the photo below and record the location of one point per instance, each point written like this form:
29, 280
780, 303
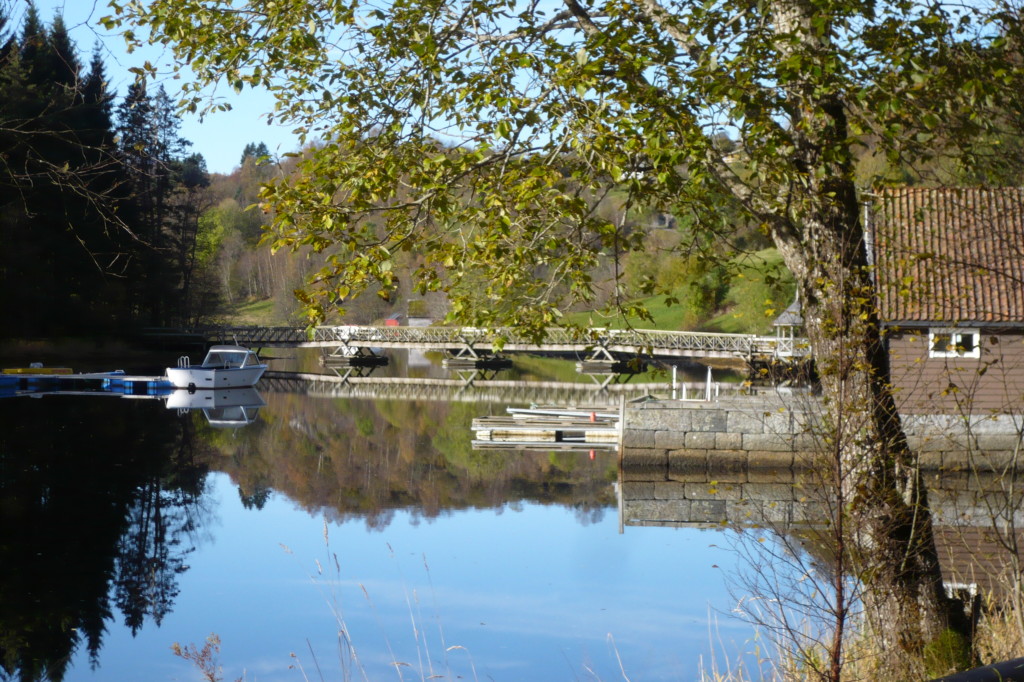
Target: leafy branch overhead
481, 134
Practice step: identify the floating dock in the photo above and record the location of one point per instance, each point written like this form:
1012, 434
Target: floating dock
25, 382
597, 428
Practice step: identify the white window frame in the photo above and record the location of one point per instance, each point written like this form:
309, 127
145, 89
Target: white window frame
955, 346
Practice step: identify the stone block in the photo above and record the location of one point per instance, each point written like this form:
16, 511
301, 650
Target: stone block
728, 441
727, 465
744, 513
805, 421
956, 460
638, 490
744, 421
806, 443
708, 420
645, 474
934, 443
995, 463
776, 514
769, 492
780, 422
928, 424
644, 454
691, 464
953, 479
770, 459
644, 464
808, 512
997, 441
700, 439
670, 490
765, 474
655, 510
670, 440
929, 460
708, 511
768, 442
671, 416
638, 438
713, 490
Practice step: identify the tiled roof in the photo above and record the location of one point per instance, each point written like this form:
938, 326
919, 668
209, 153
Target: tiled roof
950, 255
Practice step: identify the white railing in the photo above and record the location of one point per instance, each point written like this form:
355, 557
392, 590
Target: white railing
640, 341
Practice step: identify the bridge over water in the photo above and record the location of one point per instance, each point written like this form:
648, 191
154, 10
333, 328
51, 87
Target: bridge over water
595, 344
456, 390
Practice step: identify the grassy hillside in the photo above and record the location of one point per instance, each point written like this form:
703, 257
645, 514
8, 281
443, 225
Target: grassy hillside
760, 289
758, 294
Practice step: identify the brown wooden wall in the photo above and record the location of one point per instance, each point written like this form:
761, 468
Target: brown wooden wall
992, 383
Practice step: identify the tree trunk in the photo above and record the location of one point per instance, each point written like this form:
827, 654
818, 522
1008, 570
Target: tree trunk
820, 234
891, 525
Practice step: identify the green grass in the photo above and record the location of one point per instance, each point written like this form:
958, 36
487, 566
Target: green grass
752, 303
254, 313
664, 316
750, 306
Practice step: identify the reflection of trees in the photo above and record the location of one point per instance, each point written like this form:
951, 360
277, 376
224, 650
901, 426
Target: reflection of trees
353, 459
256, 498
151, 554
90, 499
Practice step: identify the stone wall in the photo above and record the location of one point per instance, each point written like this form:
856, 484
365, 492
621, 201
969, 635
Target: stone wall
769, 434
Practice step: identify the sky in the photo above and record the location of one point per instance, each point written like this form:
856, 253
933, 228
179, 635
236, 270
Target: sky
220, 137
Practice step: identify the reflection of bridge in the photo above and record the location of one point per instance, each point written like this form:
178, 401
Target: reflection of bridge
454, 390
592, 343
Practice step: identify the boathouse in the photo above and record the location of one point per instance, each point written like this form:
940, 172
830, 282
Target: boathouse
949, 270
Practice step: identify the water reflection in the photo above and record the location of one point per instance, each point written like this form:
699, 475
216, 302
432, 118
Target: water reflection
978, 518
104, 502
99, 504
223, 408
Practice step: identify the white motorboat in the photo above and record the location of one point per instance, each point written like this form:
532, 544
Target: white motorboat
223, 408
223, 367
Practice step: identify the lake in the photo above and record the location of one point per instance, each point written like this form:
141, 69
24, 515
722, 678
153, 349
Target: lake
337, 538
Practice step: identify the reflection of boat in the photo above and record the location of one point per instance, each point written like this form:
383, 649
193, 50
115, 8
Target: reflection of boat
227, 407
224, 367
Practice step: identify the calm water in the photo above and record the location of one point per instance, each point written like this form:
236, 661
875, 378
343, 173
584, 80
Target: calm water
335, 539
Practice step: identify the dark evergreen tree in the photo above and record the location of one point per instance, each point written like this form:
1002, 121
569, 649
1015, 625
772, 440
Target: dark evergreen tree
58, 217
167, 197
191, 199
256, 151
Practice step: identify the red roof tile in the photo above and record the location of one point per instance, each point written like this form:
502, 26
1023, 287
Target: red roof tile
950, 255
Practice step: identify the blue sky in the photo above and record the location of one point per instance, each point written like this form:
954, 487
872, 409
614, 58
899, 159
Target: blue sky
220, 137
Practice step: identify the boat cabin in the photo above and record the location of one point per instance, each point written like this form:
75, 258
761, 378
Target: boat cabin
230, 357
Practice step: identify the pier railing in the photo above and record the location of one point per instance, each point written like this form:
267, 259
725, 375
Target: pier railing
645, 342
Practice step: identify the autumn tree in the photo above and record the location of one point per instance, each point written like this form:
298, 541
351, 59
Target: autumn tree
481, 134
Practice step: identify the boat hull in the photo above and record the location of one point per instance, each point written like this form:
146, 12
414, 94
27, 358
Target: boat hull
199, 377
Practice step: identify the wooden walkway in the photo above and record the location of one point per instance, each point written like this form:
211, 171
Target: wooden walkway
597, 344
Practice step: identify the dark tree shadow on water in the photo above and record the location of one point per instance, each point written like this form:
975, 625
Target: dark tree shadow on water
99, 499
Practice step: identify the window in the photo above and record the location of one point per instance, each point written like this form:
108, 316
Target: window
954, 343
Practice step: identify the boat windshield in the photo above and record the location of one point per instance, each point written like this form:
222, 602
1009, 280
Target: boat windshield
226, 359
